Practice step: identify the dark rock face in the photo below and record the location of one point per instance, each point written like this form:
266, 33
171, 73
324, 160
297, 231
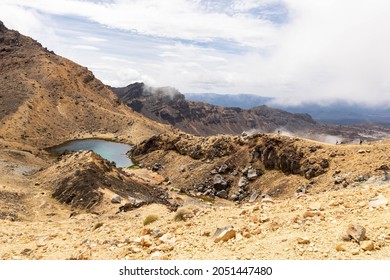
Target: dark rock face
195, 147
276, 155
245, 160
167, 105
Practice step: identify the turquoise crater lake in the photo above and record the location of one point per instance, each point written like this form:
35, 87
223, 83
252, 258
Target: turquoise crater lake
112, 151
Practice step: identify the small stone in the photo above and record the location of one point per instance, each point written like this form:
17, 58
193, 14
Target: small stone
116, 199
239, 237
254, 196
340, 248
205, 233
346, 237
156, 233
367, 245
145, 231
357, 232
41, 243
26, 252
242, 182
378, 201
316, 206
267, 199
355, 251
335, 203
252, 174
168, 238
303, 240
218, 180
224, 234
158, 256
144, 241
349, 205
222, 194
311, 214
361, 151
264, 218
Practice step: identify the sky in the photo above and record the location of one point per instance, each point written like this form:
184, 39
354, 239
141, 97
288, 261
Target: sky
298, 51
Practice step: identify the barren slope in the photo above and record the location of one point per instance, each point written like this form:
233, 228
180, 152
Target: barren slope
46, 99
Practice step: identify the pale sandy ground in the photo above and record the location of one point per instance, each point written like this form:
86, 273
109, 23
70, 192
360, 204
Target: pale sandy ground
264, 230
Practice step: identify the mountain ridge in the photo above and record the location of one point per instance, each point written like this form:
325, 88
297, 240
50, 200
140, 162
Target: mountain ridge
336, 112
169, 106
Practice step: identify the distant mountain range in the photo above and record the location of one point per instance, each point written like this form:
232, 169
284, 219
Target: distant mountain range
169, 106
334, 113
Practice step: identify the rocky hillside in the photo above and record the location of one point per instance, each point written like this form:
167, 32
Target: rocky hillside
167, 105
242, 168
287, 198
46, 99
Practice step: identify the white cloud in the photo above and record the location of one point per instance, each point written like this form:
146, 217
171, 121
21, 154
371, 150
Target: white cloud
85, 47
322, 50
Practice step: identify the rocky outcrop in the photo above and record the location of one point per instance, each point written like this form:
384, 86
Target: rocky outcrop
81, 180
235, 164
185, 144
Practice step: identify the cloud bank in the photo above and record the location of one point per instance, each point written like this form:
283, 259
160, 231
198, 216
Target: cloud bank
294, 50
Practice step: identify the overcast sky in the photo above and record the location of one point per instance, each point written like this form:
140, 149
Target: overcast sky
295, 50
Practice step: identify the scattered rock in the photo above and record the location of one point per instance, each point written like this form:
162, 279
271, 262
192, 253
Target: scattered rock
156, 167
242, 182
335, 203
338, 180
182, 168
361, 178
378, 201
239, 237
156, 233
223, 168
356, 232
157, 255
267, 199
143, 241
254, 196
361, 151
263, 218
205, 233
367, 245
252, 174
116, 199
224, 234
219, 182
26, 252
41, 243
311, 214
316, 206
167, 238
340, 248
222, 194
303, 240
355, 251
